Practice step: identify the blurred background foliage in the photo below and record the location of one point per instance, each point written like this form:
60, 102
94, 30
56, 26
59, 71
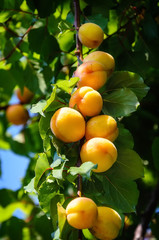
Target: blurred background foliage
37, 44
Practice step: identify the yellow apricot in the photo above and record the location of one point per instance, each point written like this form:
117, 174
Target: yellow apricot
17, 114
26, 96
104, 58
107, 225
81, 213
68, 125
88, 101
102, 126
100, 151
91, 74
90, 35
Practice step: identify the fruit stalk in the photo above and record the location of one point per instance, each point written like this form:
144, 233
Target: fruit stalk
77, 25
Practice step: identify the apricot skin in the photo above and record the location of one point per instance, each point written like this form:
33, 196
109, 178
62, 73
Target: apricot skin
100, 151
81, 213
88, 101
90, 35
104, 58
68, 125
91, 74
26, 96
102, 126
17, 114
107, 225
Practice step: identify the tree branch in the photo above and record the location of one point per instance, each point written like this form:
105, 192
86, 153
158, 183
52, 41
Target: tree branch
147, 215
77, 25
17, 45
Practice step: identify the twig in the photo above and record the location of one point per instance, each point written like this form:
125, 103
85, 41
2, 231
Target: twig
147, 215
17, 45
77, 25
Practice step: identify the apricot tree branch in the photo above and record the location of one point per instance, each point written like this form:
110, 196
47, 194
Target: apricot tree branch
17, 45
77, 25
147, 215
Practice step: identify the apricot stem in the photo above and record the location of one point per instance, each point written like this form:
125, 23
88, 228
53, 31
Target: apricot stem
77, 25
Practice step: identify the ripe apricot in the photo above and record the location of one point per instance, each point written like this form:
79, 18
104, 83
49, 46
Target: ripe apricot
100, 151
88, 101
102, 126
81, 213
68, 125
17, 114
25, 96
90, 35
104, 58
91, 74
107, 225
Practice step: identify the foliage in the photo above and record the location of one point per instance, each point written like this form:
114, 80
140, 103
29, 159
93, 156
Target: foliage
37, 50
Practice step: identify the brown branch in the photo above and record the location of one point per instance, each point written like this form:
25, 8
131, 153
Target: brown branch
147, 215
17, 45
77, 25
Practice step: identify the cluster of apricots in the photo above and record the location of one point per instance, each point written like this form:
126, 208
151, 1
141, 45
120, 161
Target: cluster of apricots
17, 114
69, 125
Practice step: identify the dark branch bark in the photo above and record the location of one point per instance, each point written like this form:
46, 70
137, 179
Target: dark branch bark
147, 215
77, 25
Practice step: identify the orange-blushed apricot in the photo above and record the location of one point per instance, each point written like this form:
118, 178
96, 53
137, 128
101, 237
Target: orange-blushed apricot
104, 58
91, 74
103, 126
25, 96
107, 225
90, 35
100, 151
17, 114
87, 100
81, 213
68, 125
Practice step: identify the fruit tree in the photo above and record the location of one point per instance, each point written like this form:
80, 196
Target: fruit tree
79, 86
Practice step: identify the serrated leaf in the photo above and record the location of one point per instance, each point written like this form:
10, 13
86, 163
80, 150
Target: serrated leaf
38, 107
84, 170
57, 172
118, 193
130, 80
46, 192
51, 99
67, 85
155, 152
42, 165
64, 25
119, 102
128, 165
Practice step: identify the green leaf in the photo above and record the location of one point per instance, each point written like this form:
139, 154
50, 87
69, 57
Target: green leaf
67, 85
44, 125
46, 192
125, 139
30, 187
7, 82
88, 234
61, 217
118, 193
51, 99
38, 107
64, 25
5, 15
66, 40
155, 152
84, 170
42, 165
120, 102
128, 165
57, 172
130, 80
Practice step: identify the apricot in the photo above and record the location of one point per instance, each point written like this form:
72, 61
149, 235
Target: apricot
68, 125
91, 74
25, 96
102, 126
90, 35
107, 225
100, 151
104, 58
17, 114
87, 100
81, 213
